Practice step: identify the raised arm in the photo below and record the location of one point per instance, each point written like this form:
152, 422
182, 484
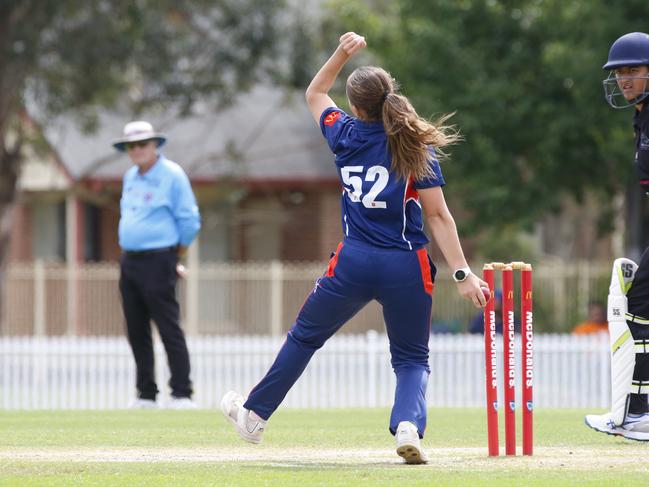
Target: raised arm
317, 94
185, 211
442, 225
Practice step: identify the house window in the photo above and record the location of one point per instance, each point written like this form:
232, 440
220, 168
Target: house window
92, 226
261, 230
48, 230
214, 235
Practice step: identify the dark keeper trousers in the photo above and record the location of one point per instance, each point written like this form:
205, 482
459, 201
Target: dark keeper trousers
148, 288
639, 305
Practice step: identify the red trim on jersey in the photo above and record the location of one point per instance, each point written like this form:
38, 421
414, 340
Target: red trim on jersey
422, 255
331, 118
333, 261
411, 192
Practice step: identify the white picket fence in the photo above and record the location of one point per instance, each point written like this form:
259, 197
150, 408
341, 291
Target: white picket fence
350, 371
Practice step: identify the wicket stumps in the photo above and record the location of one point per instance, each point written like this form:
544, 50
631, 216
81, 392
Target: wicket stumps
509, 357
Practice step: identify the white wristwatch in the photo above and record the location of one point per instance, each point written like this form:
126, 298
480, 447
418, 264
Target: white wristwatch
461, 274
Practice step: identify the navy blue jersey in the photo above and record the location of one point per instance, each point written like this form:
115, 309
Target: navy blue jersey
377, 207
641, 127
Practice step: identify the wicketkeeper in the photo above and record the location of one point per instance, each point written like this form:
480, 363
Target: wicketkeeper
628, 300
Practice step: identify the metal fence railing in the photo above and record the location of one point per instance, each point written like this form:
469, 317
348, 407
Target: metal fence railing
49, 299
350, 371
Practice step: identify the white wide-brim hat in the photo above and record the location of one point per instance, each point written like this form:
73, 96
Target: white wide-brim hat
138, 130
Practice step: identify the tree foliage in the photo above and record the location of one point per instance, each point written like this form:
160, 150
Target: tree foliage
77, 54
76, 57
524, 78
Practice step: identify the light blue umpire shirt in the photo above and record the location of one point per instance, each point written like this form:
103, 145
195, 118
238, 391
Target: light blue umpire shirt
158, 208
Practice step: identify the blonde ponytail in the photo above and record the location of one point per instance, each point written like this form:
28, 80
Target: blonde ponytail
410, 138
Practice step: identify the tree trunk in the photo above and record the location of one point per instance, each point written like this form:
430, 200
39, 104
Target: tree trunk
9, 165
11, 85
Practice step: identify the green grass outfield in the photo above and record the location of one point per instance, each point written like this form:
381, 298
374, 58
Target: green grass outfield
301, 447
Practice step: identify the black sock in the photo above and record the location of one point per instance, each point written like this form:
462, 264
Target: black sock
638, 404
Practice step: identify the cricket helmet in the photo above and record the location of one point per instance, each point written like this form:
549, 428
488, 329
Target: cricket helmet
629, 50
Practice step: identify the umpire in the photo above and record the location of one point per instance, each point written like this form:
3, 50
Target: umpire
159, 219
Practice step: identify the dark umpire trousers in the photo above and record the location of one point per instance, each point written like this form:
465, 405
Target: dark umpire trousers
148, 287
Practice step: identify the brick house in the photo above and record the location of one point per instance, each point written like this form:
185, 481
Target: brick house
261, 172
263, 177
267, 189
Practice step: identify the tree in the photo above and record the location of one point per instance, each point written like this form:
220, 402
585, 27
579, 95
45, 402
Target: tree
69, 56
525, 80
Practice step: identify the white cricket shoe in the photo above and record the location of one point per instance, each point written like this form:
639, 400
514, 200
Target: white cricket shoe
249, 426
140, 403
181, 403
408, 443
635, 426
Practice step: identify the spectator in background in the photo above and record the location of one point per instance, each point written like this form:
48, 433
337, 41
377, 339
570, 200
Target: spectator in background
477, 323
595, 322
159, 219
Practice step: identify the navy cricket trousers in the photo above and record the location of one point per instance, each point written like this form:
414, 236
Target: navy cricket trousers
402, 282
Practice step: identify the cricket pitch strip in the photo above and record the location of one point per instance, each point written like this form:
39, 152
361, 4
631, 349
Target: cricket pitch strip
460, 459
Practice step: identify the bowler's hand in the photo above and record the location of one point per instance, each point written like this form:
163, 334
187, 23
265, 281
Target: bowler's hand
181, 271
351, 43
470, 289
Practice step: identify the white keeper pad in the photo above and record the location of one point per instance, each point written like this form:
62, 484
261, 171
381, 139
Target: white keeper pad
622, 344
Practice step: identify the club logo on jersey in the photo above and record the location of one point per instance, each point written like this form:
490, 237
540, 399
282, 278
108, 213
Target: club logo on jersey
331, 118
